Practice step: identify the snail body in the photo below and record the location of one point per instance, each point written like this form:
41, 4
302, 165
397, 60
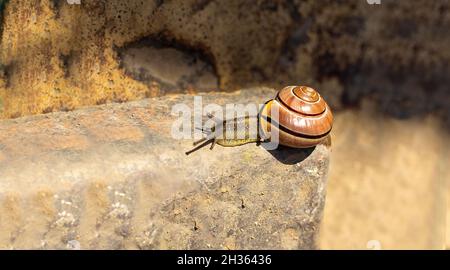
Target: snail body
243, 133
298, 115
240, 127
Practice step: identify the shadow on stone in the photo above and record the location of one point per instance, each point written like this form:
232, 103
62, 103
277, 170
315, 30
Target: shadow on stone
291, 156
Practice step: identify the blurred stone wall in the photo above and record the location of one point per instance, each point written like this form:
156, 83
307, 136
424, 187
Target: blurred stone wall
388, 183
59, 56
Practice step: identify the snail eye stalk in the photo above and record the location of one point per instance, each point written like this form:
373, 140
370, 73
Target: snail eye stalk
200, 144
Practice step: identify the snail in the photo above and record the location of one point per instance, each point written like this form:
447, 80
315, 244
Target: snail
302, 119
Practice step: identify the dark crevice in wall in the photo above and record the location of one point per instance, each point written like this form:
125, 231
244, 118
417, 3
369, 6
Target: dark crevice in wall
171, 64
57, 4
5, 73
66, 62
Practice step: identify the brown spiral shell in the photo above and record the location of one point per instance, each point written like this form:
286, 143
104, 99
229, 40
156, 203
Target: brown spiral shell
304, 118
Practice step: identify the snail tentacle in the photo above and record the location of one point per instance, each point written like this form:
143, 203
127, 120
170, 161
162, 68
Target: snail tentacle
205, 143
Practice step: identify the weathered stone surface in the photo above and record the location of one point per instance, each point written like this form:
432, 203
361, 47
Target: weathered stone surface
112, 177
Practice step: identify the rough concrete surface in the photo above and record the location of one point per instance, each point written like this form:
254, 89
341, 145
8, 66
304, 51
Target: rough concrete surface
112, 177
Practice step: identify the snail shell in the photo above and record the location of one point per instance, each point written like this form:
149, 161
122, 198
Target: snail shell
304, 118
